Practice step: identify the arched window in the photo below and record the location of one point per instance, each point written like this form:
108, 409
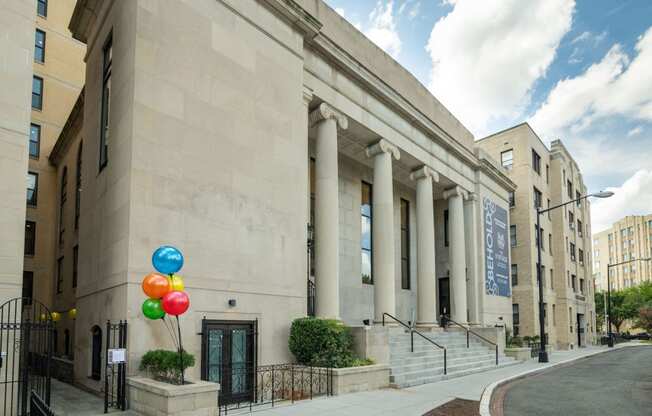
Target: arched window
96, 353
78, 185
62, 203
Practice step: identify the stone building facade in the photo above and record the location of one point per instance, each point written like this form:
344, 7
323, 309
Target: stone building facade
277, 117
628, 239
547, 177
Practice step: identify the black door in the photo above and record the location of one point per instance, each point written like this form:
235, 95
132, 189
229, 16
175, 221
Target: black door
228, 358
96, 353
444, 296
580, 328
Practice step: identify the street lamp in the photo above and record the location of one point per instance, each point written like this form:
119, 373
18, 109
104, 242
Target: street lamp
543, 354
610, 341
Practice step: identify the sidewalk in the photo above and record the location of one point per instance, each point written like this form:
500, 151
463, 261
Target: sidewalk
416, 400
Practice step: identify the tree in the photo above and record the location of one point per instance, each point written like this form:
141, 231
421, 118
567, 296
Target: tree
644, 320
599, 311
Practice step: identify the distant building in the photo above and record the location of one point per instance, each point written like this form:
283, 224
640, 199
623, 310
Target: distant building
547, 177
627, 239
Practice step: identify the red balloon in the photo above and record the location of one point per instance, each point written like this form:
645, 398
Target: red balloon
175, 303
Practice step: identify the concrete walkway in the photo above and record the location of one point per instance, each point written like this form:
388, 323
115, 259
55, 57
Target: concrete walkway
68, 400
416, 400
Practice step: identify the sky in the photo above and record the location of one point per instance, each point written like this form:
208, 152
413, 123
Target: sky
579, 71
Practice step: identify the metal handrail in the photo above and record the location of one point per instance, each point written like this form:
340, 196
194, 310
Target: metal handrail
412, 332
468, 330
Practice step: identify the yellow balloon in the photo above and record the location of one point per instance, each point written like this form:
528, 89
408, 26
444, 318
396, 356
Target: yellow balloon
72, 314
176, 283
56, 316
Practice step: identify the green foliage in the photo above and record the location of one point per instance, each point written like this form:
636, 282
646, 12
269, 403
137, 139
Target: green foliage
515, 342
644, 319
322, 343
164, 365
626, 303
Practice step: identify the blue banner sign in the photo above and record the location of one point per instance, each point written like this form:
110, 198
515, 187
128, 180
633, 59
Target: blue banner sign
496, 249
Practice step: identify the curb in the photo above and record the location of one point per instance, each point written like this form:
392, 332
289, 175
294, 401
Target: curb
485, 399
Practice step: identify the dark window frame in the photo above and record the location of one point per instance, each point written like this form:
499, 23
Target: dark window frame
63, 197
75, 266
78, 185
512, 199
536, 162
59, 285
512, 241
514, 272
446, 231
40, 58
30, 243
510, 165
105, 105
34, 142
538, 198
32, 202
370, 217
42, 8
405, 236
516, 319
28, 286
38, 96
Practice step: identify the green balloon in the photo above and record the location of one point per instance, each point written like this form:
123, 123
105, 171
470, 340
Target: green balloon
152, 309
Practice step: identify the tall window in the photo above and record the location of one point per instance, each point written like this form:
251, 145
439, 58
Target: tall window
572, 251
579, 228
106, 101
60, 275
75, 264
570, 318
365, 238
405, 244
569, 189
37, 93
512, 199
62, 203
30, 238
34, 140
28, 286
514, 274
512, 235
574, 282
507, 159
536, 162
446, 228
515, 318
537, 198
580, 254
552, 280
577, 196
78, 185
549, 217
547, 174
39, 46
582, 286
550, 242
554, 315
42, 8
32, 188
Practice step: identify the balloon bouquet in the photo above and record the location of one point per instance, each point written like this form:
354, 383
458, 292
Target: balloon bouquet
165, 293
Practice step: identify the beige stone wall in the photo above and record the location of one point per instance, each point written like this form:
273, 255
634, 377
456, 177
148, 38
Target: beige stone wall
631, 238
63, 77
17, 50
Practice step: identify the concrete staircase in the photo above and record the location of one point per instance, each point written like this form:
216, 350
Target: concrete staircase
426, 363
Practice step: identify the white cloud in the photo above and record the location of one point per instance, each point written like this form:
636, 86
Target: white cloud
414, 11
582, 37
487, 55
613, 86
635, 131
382, 30
634, 197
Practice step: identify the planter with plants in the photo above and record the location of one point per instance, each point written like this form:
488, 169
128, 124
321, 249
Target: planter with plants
515, 348
328, 343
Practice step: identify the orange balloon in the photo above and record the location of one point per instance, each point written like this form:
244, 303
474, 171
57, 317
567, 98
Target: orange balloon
155, 285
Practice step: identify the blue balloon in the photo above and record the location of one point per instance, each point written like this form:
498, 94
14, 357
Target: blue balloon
167, 260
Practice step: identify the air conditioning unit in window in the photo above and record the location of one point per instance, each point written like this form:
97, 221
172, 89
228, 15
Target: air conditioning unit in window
571, 226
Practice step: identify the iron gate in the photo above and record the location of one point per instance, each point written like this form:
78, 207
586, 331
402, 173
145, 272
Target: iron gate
26, 340
115, 374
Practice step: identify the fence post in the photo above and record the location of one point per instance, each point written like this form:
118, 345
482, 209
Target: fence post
445, 372
106, 365
496, 354
467, 339
411, 341
272, 386
292, 382
310, 382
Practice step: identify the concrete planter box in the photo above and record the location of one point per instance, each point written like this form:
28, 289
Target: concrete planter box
364, 378
518, 353
154, 398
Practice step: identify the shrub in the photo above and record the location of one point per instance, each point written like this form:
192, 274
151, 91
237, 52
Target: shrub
515, 342
321, 343
165, 365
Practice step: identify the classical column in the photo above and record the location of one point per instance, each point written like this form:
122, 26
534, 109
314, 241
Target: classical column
456, 253
327, 300
382, 228
426, 277
472, 230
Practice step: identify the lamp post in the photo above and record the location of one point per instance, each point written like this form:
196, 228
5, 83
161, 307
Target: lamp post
610, 341
543, 354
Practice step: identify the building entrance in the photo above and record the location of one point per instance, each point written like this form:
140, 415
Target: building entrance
228, 358
444, 294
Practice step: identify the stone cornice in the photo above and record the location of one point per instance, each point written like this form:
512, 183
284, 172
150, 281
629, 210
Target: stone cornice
70, 129
455, 191
424, 172
307, 95
296, 15
325, 112
83, 16
383, 146
494, 173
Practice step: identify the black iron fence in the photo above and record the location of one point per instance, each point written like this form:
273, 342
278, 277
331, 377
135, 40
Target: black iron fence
38, 407
115, 373
535, 348
276, 383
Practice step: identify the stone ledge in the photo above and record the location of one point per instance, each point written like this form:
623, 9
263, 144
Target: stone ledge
363, 378
171, 390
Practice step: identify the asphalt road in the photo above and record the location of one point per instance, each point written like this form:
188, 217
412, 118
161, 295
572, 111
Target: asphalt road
613, 383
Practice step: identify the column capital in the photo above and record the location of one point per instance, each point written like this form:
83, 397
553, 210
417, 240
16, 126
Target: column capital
383, 146
455, 191
424, 172
472, 196
325, 112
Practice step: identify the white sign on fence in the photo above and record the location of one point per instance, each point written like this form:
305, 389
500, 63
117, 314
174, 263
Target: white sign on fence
117, 355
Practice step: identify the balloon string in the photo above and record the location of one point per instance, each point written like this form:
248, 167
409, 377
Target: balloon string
170, 329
